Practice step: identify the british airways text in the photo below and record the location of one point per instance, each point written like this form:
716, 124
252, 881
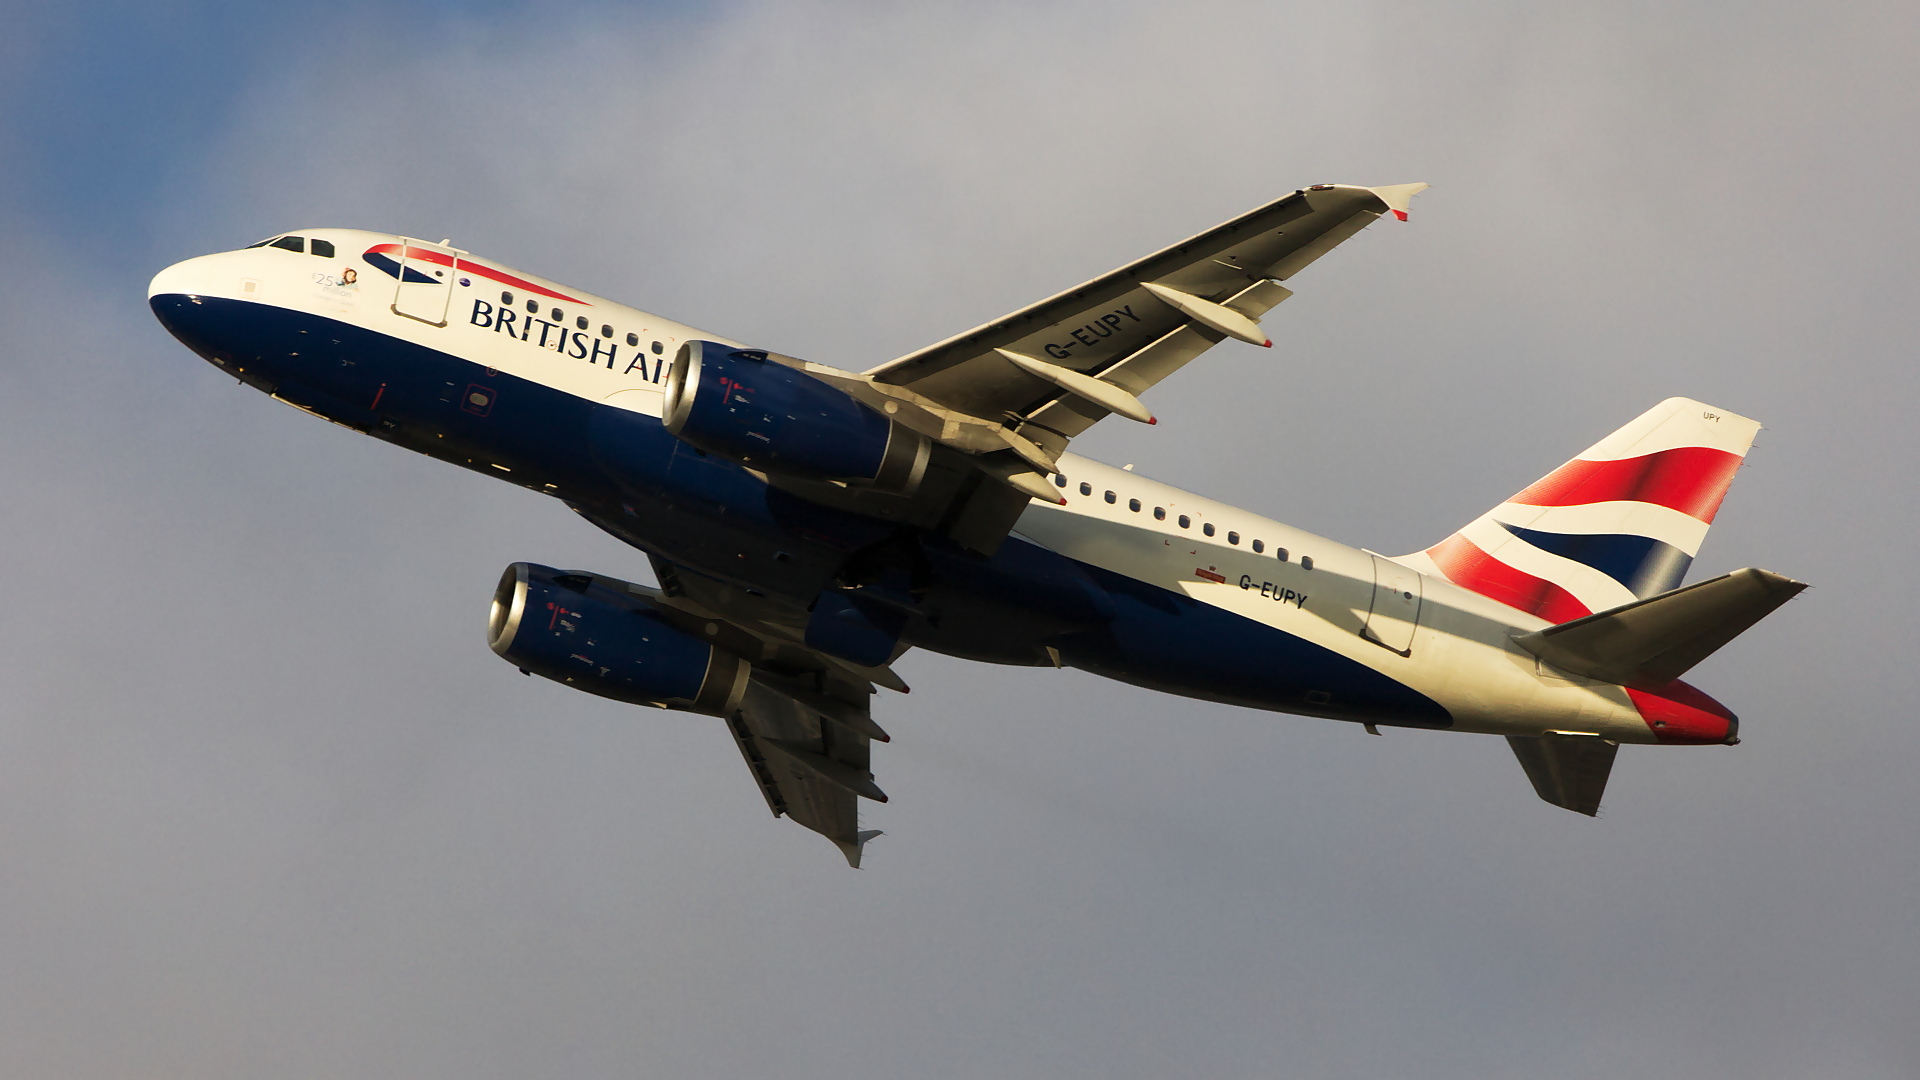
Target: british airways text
556, 338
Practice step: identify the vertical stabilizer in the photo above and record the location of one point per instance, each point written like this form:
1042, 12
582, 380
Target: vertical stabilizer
1620, 522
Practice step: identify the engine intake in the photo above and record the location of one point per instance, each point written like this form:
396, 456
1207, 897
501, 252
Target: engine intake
765, 411
576, 629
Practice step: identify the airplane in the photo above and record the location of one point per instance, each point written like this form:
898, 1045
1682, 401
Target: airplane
807, 524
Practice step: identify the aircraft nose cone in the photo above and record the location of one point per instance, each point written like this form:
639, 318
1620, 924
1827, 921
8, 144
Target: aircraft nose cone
175, 312
182, 278
178, 298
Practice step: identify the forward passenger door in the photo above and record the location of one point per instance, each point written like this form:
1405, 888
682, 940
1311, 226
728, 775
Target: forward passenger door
425, 288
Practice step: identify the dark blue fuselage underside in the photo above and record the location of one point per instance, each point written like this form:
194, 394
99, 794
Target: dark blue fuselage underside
625, 472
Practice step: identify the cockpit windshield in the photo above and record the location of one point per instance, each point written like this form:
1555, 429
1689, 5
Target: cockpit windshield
322, 248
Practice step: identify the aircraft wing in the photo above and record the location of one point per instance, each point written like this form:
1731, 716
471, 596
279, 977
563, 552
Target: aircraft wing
809, 767
804, 724
1051, 370
999, 403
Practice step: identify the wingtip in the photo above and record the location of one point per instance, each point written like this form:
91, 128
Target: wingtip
1397, 196
1150, 420
857, 846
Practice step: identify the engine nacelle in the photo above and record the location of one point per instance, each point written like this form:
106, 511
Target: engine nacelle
757, 410
595, 637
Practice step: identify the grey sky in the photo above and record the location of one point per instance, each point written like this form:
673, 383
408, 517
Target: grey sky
269, 807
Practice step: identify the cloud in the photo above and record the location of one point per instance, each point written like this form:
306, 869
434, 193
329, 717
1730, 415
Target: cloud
273, 808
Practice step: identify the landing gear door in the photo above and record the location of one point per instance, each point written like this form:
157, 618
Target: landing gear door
1395, 613
425, 288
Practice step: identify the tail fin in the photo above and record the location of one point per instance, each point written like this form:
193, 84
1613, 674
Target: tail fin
1620, 522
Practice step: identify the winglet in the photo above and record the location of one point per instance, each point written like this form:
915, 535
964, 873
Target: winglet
1397, 196
857, 847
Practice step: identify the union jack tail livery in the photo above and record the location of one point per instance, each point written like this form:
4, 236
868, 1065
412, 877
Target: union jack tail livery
1620, 522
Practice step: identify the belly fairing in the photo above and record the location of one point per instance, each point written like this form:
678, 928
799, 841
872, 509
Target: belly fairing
1171, 642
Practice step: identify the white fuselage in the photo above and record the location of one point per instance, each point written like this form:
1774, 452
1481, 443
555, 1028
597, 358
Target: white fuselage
1458, 645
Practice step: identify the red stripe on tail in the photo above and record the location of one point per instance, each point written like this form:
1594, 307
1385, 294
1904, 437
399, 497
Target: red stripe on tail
1690, 479
1464, 564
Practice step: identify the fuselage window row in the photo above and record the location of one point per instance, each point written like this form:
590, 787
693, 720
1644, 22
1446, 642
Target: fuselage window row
506, 298
1160, 514
325, 249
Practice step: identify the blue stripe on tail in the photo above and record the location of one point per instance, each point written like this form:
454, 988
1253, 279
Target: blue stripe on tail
1646, 566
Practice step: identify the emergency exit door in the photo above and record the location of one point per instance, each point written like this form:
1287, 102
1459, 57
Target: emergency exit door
1395, 613
425, 288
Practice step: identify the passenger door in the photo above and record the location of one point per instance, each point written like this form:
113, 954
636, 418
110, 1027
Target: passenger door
425, 287
1395, 612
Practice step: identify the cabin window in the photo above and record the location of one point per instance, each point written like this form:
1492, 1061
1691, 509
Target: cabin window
1280, 553
1133, 505
1186, 522
558, 316
633, 339
1059, 480
533, 306
1086, 488
291, 243
1258, 547
1207, 528
323, 248
1110, 496
1159, 513
580, 322
506, 299
1233, 538
658, 348
1306, 562
606, 331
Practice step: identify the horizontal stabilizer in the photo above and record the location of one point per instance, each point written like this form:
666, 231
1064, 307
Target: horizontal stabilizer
1647, 644
1567, 768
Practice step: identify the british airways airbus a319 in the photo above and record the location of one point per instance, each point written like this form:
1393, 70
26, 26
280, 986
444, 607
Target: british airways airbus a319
807, 525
